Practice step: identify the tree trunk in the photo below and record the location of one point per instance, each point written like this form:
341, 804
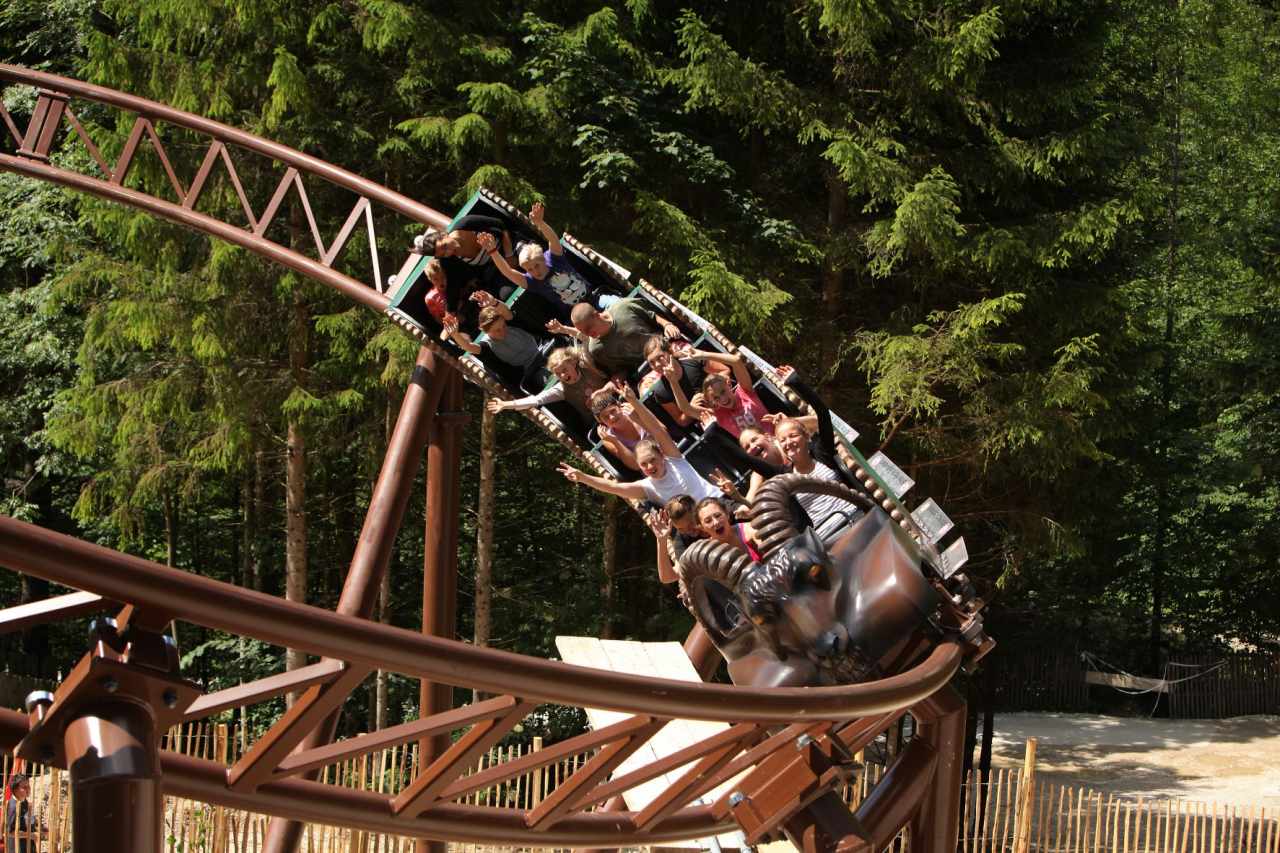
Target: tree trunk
248, 534
833, 270
381, 682
1160, 555
296, 475
609, 583
484, 531
170, 531
259, 513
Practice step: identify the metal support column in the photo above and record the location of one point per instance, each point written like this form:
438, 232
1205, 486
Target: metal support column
440, 565
114, 762
377, 538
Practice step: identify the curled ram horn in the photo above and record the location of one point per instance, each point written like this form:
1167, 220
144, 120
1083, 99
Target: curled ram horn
716, 560
771, 516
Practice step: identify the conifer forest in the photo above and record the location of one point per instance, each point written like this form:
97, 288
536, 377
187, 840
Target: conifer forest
1029, 248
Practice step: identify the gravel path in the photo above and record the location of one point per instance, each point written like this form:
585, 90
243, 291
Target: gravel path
1233, 761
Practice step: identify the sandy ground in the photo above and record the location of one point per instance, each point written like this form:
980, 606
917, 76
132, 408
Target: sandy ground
1228, 761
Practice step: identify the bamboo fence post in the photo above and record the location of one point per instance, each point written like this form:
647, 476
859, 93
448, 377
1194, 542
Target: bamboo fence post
1010, 796
1042, 822
1026, 787
1082, 825
1146, 843
537, 779
220, 816
54, 816
970, 806
1098, 827
1057, 819
1213, 829
1066, 818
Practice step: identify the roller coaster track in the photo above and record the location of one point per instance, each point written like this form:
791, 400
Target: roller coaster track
783, 748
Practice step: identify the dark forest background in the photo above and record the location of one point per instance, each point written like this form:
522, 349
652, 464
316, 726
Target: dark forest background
1029, 248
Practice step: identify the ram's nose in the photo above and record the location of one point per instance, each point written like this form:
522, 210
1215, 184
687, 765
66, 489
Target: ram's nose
830, 644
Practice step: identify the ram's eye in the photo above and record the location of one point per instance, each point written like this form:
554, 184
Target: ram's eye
760, 619
818, 575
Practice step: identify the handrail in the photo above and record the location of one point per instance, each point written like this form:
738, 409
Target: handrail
344, 284
227, 134
214, 604
315, 802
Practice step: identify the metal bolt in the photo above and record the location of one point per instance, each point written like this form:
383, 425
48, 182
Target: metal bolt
803, 741
170, 697
878, 494
110, 685
100, 625
38, 698
736, 799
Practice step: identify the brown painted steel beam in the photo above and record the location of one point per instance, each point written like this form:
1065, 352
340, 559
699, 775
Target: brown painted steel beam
424, 791
259, 764
264, 688
739, 736
69, 606
349, 287
323, 756
112, 753
940, 722
123, 577
758, 753
313, 802
372, 555
230, 135
440, 566
678, 794
559, 802
578, 745
899, 794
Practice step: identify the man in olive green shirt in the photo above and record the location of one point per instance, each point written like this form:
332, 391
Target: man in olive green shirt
616, 336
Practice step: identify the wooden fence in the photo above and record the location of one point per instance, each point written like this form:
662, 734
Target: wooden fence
1224, 685
1035, 680
1210, 685
1012, 812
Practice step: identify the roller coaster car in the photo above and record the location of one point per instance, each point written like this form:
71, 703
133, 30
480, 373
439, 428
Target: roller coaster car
604, 277
865, 608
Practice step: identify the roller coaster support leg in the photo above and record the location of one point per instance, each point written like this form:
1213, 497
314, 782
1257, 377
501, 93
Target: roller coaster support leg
941, 723
113, 756
377, 537
103, 725
440, 576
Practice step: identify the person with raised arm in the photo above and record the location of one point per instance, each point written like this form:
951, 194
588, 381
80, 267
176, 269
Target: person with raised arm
661, 527
674, 371
667, 472
462, 240
546, 273
615, 337
511, 345
578, 382
619, 431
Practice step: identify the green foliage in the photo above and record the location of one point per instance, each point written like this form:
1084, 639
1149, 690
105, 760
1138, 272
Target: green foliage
1030, 248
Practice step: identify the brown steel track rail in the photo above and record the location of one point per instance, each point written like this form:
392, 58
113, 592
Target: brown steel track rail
214, 604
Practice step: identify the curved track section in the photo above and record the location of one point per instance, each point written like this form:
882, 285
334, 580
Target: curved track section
130, 661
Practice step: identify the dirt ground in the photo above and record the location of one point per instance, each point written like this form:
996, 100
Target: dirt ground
1233, 761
